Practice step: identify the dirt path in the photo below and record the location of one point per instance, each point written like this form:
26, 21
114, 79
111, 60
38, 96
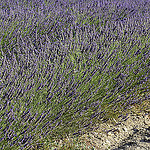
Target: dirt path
132, 134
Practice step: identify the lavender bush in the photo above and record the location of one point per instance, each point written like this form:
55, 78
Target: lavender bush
67, 65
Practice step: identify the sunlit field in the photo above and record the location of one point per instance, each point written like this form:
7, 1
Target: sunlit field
67, 65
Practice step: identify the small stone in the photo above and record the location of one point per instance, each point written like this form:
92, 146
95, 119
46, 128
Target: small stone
126, 130
109, 133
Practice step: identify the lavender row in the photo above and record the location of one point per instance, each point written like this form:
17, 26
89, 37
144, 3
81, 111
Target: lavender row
67, 65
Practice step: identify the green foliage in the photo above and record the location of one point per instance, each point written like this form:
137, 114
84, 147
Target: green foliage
102, 81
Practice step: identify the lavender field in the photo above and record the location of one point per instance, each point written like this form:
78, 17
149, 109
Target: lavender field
66, 65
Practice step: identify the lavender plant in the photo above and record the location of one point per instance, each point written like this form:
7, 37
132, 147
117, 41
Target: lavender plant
67, 65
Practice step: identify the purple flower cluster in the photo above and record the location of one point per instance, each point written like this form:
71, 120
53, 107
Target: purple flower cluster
65, 66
